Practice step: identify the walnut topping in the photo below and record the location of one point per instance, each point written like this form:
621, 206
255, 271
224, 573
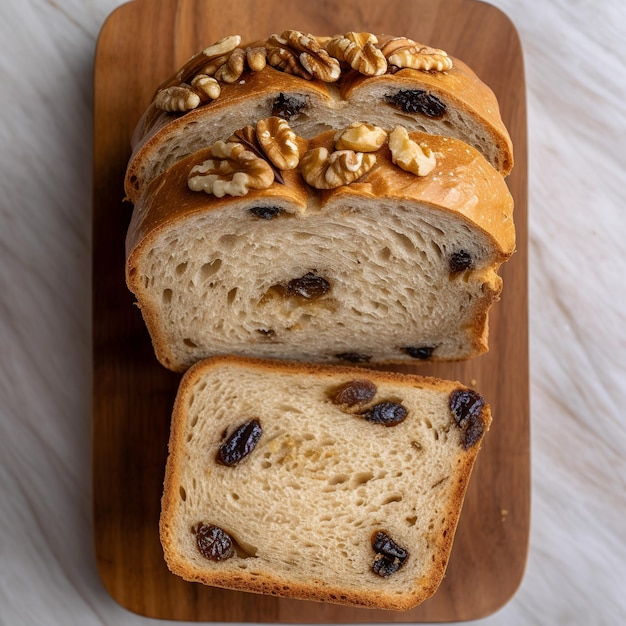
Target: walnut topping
206, 87
190, 87
256, 57
248, 137
177, 98
233, 171
214, 51
359, 51
229, 67
223, 46
361, 137
281, 145
232, 68
409, 155
327, 170
300, 54
402, 52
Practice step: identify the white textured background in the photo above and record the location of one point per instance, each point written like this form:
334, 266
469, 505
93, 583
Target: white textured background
575, 66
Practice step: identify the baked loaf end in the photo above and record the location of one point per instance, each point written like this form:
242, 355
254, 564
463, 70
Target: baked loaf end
422, 88
393, 267
331, 484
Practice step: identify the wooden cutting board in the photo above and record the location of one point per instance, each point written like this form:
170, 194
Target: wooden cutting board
141, 44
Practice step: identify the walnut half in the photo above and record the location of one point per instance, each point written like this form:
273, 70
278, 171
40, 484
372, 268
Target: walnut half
328, 170
300, 54
359, 51
360, 137
232, 171
280, 144
409, 155
402, 52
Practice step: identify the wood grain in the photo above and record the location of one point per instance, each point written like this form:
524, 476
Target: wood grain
141, 44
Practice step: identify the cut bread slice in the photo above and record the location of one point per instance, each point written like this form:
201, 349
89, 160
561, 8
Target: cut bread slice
391, 268
323, 483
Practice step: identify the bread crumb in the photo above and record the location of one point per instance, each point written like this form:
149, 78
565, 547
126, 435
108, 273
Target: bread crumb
503, 514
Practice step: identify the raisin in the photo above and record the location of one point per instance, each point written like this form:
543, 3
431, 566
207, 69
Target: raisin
266, 212
355, 392
466, 406
460, 261
386, 413
418, 101
240, 444
419, 352
213, 543
308, 286
287, 107
389, 555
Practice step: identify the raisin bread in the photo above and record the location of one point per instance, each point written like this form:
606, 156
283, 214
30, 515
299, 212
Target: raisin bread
314, 482
316, 83
390, 268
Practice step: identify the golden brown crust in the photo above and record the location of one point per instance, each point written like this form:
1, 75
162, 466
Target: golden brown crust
269, 583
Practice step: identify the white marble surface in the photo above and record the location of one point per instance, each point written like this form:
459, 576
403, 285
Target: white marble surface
575, 63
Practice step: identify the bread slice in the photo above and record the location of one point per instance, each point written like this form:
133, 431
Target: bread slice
378, 258
334, 484
466, 108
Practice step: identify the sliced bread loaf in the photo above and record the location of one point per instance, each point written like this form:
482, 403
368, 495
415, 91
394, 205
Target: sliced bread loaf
392, 267
324, 483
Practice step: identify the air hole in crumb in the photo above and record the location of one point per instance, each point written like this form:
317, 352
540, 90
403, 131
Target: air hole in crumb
227, 241
209, 269
393, 498
183, 493
189, 343
362, 477
167, 296
412, 520
232, 294
339, 479
234, 496
181, 268
384, 254
428, 423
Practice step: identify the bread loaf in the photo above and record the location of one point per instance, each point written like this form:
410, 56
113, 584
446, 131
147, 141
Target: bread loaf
358, 77
390, 268
336, 484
